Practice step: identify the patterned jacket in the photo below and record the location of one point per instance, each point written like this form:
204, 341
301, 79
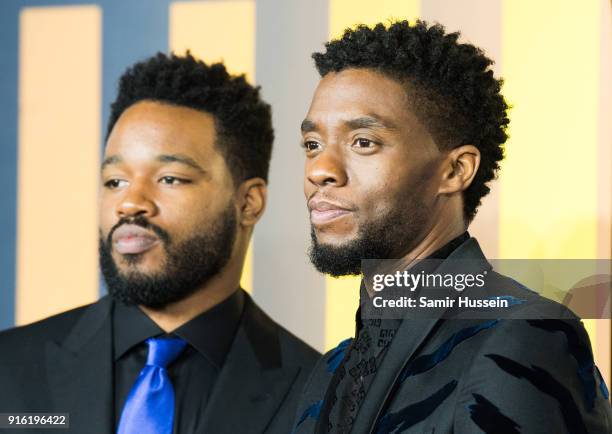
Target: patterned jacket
526, 373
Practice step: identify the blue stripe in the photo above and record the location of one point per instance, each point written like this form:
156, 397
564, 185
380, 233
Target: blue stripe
337, 355
414, 413
427, 361
602, 385
489, 418
9, 61
578, 347
512, 301
126, 39
314, 411
545, 383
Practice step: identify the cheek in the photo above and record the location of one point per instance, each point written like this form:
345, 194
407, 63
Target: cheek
399, 188
190, 215
178, 218
374, 186
416, 189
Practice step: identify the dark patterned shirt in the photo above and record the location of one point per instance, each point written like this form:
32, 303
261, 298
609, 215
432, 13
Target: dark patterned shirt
356, 372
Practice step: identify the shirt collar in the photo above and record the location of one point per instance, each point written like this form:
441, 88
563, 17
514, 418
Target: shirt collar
211, 333
441, 254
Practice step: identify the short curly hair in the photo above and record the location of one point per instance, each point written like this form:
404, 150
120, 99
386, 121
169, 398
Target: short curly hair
451, 85
243, 121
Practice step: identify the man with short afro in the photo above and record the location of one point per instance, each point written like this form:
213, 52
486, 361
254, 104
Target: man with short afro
405, 130
177, 346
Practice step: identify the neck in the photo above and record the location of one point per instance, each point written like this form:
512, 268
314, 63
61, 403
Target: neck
174, 315
216, 290
445, 228
447, 224
440, 235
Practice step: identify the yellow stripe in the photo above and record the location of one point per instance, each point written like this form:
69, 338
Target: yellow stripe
341, 302
604, 327
218, 31
548, 204
342, 295
348, 13
246, 278
59, 146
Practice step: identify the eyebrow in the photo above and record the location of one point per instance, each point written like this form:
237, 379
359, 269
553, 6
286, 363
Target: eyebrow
182, 159
308, 126
108, 161
163, 158
369, 122
354, 124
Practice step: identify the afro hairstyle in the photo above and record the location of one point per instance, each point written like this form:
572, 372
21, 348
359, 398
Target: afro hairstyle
450, 85
243, 121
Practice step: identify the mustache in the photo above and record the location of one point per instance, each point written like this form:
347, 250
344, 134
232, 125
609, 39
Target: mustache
327, 198
141, 221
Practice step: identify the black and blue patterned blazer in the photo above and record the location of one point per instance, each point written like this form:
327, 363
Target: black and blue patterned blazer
522, 374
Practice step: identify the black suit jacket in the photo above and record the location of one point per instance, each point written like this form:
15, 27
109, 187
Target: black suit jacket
65, 364
530, 372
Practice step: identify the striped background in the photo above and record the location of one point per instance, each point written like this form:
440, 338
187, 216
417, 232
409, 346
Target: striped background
61, 61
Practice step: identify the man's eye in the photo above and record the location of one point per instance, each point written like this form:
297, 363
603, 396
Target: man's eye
311, 145
115, 183
364, 143
173, 180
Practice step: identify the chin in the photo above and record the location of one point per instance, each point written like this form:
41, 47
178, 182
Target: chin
137, 263
332, 238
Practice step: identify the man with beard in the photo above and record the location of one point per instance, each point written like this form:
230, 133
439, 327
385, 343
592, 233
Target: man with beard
404, 131
177, 346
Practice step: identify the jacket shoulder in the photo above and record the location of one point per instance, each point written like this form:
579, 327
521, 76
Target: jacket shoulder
527, 303
296, 351
293, 350
31, 338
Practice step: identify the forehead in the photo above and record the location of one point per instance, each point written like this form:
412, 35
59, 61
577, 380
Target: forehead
357, 92
149, 127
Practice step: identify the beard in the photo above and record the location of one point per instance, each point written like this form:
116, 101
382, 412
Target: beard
188, 266
390, 235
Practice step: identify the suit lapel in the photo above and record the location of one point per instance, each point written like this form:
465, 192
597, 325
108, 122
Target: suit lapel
252, 383
408, 339
79, 371
405, 343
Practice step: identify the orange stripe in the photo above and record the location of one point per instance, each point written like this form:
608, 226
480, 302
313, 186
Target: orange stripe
59, 133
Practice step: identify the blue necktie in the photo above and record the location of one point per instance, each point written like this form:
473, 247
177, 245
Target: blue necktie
149, 408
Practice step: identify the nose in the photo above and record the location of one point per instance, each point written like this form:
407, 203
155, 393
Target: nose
136, 201
327, 169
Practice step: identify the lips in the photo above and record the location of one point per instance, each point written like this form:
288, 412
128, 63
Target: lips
131, 240
322, 211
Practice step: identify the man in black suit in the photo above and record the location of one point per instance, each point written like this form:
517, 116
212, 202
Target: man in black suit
176, 346
405, 129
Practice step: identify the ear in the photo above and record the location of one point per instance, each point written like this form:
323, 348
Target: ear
252, 197
460, 169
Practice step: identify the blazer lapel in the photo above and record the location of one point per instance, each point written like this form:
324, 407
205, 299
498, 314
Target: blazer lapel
405, 343
80, 374
252, 383
408, 339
